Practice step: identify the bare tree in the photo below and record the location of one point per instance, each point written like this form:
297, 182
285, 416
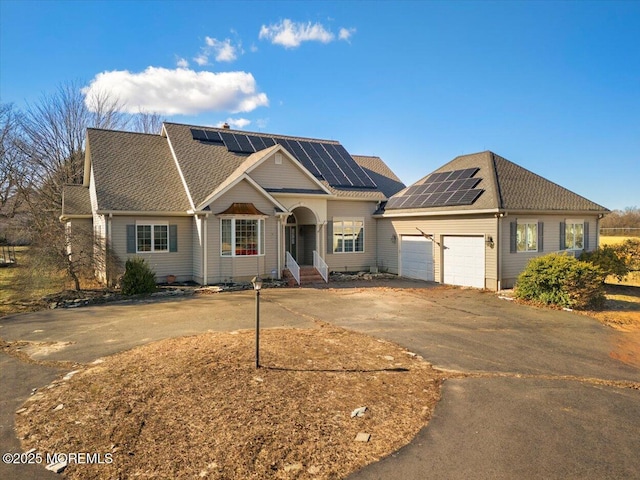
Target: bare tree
9, 155
147, 122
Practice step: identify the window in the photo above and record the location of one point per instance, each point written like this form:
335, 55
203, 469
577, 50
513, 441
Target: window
152, 238
348, 235
527, 237
574, 235
241, 237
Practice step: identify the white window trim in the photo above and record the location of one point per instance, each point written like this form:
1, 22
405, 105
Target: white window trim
153, 247
528, 222
349, 219
572, 221
261, 235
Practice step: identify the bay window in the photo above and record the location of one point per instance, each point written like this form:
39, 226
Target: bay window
241, 237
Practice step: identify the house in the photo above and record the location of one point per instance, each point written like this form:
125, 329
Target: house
477, 220
213, 205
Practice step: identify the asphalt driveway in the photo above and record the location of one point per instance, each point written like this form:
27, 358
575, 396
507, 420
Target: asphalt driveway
534, 393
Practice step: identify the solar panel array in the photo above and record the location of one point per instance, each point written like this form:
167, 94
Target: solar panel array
327, 161
442, 189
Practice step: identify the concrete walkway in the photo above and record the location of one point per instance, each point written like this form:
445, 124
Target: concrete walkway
542, 395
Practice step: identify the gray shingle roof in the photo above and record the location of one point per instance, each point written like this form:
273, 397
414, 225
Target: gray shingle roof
76, 201
508, 186
135, 172
206, 166
387, 181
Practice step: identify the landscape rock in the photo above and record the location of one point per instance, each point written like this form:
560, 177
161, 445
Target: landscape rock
363, 437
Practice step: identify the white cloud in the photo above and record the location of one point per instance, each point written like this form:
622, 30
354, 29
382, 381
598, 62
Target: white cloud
224, 51
201, 59
291, 35
182, 63
237, 123
346, 33
180, 91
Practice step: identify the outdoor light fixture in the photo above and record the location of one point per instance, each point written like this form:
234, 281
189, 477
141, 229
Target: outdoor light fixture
257, 286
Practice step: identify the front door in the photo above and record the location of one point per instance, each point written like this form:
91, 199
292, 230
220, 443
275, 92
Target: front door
290, 239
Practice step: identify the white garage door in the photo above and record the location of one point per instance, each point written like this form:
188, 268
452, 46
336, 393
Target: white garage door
464, 261
416, 257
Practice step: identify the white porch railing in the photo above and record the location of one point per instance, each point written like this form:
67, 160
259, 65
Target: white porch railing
320, 265
293, 267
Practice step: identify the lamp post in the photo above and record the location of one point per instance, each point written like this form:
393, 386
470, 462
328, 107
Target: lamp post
257, 285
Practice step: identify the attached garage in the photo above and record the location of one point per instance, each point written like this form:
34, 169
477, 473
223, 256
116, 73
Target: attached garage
416, 257
463, 261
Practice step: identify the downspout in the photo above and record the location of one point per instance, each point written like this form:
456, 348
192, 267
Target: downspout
108, 246
278, 239
499, 217
204, 251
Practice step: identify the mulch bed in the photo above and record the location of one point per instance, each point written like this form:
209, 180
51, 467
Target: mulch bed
196, 407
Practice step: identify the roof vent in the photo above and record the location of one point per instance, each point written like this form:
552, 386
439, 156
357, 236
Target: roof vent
226, 126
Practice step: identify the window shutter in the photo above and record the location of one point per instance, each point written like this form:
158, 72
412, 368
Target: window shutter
131, 239
513, 239
586, 236
540, 236
330, 236
173, 238
563, 236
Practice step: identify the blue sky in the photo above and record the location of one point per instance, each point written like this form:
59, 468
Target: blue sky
552, 86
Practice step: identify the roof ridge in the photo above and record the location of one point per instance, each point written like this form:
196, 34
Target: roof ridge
547, 180
261, 134
123, 131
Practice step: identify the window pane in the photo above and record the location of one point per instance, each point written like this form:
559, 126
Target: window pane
160, 237
225, 247
348, 236
358, 231
246, 237
579, 235
337, 237
144, 238
521, 238
532, 236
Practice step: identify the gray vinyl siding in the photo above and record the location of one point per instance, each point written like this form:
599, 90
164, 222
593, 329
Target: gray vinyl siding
514, 263
222, 269
286, 175
464, 225
178, 263
360, 260
387, 246
197, 225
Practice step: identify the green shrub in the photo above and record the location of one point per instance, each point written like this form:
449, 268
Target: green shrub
609, 259
562, 280
629, 251
138, 277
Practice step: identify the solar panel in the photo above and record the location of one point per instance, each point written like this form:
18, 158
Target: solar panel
364, 180
450, 188
198, 134
230, 142
341, 177
257, 142
213, 136
245, 144
468, 172
470, 196
326, 161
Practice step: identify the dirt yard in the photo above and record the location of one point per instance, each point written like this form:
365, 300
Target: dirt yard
196, 407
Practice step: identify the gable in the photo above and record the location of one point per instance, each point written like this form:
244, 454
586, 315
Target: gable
134, 172
244, 192
279, 172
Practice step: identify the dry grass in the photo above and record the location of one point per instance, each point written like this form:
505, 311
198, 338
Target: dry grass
196, 407
23, 285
